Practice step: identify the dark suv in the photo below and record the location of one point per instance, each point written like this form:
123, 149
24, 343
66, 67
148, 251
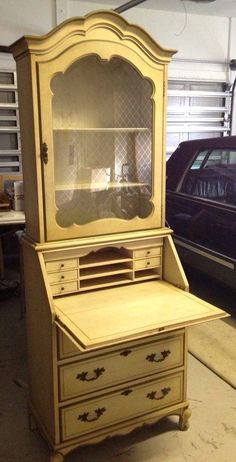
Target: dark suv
201, 205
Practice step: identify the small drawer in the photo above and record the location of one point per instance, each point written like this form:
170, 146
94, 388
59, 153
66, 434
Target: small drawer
127, 364
61, 265
148, 252
132, 401
63, 276
60, 289
147, 263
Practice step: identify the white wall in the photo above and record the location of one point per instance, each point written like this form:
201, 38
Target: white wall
25, 17
203, 38
205, 44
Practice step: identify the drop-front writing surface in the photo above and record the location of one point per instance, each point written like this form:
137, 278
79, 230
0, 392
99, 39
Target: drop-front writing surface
102, 142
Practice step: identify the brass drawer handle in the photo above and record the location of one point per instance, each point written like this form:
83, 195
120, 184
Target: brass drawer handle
164, 392
98, 413
97, 373
152, 356
125, 353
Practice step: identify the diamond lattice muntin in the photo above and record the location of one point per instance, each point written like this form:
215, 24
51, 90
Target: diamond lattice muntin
102, 120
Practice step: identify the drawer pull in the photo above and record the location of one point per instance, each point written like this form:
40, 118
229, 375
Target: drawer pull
97, 373
126, 392
148, 252
152, 356
164, 392
125, 353
98, 413
62, 265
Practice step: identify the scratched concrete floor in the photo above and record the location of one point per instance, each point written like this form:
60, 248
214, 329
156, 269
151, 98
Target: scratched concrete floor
211, 436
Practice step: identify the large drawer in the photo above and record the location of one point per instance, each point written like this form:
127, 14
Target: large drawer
127, 403
128, 364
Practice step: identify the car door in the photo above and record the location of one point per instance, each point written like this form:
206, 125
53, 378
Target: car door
203, 208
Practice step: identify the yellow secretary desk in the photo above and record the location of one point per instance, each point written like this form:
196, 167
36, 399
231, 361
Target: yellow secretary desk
107, 300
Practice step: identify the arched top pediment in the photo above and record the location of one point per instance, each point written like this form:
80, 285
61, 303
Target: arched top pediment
100, 25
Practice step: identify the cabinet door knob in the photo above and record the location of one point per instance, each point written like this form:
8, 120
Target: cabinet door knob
126, 392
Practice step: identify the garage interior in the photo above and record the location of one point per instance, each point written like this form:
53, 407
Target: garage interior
200, 105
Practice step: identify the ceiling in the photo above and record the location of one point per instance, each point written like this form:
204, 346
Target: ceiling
226, 8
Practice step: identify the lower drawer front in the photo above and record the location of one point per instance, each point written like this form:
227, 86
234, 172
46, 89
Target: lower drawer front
122, 365
128, 403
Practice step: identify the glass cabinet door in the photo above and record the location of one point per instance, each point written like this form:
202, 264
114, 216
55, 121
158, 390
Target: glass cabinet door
102, 114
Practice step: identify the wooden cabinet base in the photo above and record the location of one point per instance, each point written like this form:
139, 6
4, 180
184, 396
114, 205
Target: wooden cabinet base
182, 411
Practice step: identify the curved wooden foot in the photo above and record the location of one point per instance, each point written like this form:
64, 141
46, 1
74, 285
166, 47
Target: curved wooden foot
184, 419
57, 457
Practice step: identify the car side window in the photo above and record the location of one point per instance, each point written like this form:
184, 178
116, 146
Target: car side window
212, 175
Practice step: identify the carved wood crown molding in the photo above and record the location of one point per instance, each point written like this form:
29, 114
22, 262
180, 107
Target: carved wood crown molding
89, 27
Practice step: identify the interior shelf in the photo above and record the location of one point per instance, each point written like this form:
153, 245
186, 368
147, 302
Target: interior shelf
97, 186
88, 273
146, 274
103, 129
107, 257
105, 282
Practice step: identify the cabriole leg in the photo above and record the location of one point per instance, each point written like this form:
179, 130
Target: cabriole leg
184, 419
57, 457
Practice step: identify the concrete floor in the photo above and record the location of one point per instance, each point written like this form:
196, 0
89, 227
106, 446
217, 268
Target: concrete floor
211, 436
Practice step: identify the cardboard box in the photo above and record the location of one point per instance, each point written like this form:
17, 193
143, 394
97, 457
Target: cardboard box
15, 191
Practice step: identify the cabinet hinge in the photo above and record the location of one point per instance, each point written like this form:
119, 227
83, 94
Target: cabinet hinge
44, 153
164, 89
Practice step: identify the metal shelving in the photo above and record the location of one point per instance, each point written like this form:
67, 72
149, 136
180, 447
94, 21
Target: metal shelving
197, 110
10, 145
